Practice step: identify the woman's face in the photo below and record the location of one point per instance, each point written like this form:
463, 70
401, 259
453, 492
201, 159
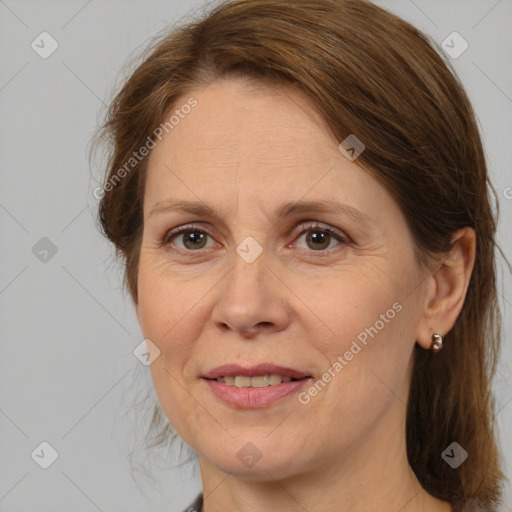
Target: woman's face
258, 283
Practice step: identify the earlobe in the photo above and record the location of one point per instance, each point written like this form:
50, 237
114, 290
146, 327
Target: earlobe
447, 288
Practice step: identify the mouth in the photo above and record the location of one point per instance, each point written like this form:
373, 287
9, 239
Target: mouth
261, 375
257, 386
258, 381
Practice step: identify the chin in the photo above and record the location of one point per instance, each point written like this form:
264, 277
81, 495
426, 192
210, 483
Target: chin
251, 463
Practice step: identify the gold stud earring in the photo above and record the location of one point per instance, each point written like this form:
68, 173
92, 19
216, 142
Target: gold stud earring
437, 343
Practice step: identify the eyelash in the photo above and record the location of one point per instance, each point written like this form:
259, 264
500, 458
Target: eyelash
191, 228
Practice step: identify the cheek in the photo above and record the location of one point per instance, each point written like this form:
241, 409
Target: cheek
166, 298
167, 317
358, 304
159, 316
173, 311
368, 321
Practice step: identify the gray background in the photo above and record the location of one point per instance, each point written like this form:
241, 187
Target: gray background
68, 373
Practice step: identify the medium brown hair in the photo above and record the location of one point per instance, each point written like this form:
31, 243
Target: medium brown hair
372, 74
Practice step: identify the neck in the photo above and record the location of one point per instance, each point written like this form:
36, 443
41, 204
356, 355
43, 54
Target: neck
373, 476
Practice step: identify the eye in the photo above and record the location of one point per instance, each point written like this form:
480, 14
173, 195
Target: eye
319, 238
192, 238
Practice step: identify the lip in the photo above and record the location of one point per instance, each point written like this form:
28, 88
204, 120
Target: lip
232, 370
251, 398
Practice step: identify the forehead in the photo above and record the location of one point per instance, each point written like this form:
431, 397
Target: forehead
235, 120
265, 144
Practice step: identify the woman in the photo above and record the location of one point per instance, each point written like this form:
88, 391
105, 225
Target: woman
299, 194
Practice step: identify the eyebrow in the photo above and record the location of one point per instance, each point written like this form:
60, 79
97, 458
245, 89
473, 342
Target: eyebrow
290, 208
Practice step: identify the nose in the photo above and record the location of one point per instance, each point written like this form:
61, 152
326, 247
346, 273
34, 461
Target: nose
252, 300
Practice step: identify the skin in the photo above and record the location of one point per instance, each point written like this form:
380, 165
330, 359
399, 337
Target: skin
245, 150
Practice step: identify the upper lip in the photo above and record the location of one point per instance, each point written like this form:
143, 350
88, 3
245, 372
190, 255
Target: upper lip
253, 371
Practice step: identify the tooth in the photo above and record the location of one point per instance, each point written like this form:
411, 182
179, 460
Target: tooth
241, 381
259, 382
274, 379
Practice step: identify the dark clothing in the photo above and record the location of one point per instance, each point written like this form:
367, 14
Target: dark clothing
470, 506
196, 506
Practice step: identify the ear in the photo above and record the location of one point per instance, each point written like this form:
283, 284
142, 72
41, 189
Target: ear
446, 288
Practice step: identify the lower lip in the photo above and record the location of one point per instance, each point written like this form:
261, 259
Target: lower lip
250, 398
